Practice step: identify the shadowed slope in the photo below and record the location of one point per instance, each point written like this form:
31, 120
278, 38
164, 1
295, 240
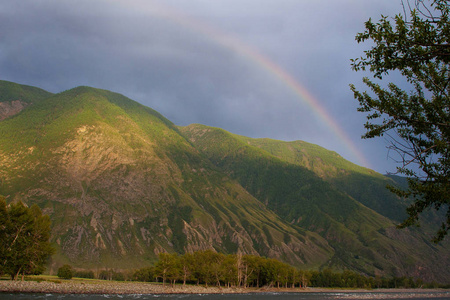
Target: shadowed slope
312, 187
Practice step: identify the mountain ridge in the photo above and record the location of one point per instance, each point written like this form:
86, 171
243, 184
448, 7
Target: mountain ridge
347, 230
95, 154
123, 183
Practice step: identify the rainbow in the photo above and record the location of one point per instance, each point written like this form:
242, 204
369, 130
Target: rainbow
237, 46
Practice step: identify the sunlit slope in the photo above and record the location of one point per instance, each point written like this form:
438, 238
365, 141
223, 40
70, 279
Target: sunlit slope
302, 190
365, 185
122, 185
10, 91
15, 97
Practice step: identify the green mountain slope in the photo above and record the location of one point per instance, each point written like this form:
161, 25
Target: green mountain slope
10, 91
15, 97
121, 185
363, 184
300, 182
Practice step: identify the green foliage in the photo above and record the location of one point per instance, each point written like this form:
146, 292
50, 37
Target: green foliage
65, 272
417, 123
111, 275
24, 234
144, 274
211, 268
118, 276
84, 274
167, 267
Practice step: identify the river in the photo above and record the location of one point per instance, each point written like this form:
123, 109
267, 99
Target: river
253, 296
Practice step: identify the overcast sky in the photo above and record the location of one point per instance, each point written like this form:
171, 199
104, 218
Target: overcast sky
206, 61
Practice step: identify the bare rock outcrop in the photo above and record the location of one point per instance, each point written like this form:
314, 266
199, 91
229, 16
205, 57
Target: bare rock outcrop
8, 109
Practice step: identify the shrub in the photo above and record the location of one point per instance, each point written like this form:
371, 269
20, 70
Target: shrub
118, 276
65, 272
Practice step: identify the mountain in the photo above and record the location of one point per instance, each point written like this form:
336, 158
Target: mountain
316, 189
122, 183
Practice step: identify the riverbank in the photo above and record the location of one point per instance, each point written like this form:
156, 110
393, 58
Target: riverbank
107, 287
113, 287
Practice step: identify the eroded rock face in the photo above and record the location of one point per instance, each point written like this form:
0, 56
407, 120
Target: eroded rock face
8, 109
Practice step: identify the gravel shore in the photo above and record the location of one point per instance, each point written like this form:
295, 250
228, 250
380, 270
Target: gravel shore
109, 287
113, 287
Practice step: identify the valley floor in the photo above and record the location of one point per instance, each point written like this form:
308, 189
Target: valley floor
112, 287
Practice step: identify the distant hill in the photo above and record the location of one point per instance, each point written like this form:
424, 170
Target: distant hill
122, 183
318, 190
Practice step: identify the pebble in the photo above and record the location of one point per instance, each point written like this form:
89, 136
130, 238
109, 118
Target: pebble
109, 287
115, 287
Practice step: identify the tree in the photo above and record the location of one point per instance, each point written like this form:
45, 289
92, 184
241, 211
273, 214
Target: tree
186, 266
167, 267
24, 234
416, 123
252, 269
3, 233
305, 278
230, 270
65, 272
105, 275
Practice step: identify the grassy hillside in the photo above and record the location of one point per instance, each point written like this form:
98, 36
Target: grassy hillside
121, 185
302, 186
15, 97
10, 91
364, 185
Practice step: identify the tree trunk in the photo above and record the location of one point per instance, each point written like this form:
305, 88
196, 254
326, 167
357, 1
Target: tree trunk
14, 277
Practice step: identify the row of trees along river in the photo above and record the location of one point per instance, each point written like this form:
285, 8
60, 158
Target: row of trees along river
215, 269
212, 268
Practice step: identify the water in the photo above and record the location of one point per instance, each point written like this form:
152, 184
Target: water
259, 296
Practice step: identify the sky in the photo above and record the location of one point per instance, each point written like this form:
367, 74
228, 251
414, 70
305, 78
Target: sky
275, 69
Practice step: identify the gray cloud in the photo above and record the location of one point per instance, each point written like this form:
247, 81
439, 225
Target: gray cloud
140, 49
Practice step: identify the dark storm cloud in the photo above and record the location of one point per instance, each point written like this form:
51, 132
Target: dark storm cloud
136, 48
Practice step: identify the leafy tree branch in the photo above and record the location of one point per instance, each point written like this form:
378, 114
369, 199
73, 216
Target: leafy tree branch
418, 47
